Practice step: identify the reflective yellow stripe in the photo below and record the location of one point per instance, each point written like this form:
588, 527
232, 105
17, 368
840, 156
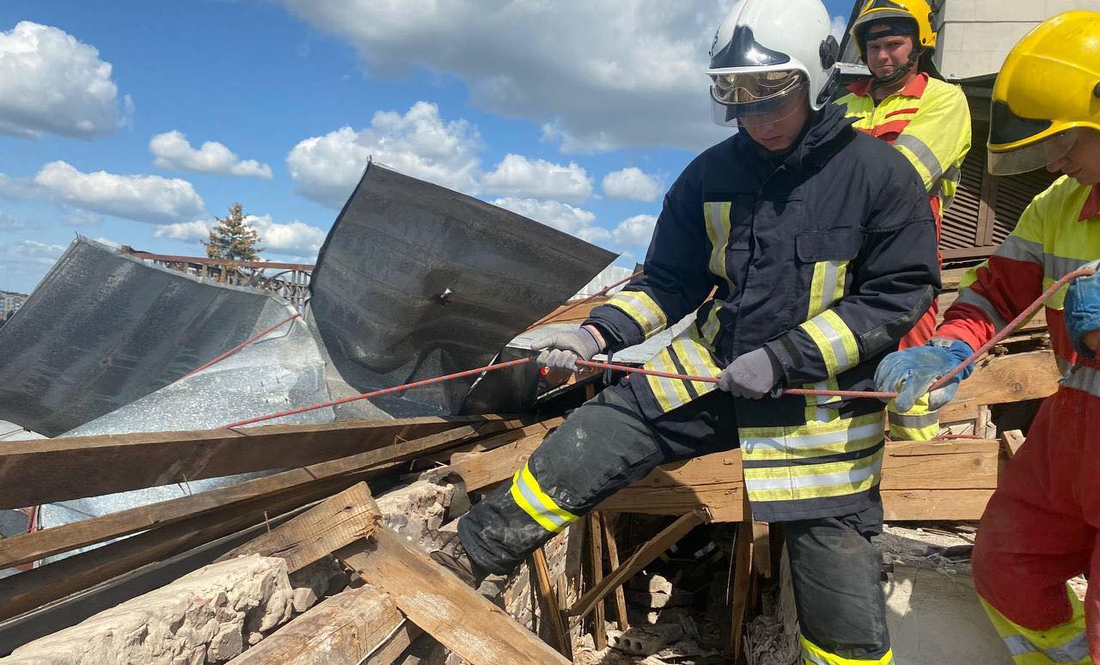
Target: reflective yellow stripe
710, 327
815, 409
917, 424
670, 393
813, 481
717, 216
696, 360
838, 346
643, 309
814, 439
529, 496
826, 286
1066, 643
815, 655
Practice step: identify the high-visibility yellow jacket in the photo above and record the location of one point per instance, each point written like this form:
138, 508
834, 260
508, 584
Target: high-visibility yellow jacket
928, 121
1058, 233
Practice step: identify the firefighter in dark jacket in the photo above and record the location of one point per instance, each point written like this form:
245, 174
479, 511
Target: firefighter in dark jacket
821, 244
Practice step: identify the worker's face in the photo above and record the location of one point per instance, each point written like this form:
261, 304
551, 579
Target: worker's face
778, 131
885, 55
1082, 162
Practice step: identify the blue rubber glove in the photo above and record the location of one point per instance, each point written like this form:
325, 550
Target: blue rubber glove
913, 371
1082, 310
751, 375
562, 350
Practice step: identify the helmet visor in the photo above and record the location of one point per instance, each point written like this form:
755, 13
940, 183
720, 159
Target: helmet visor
1034, 156
748, 90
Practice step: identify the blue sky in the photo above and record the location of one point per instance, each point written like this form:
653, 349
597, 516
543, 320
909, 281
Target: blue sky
137, 122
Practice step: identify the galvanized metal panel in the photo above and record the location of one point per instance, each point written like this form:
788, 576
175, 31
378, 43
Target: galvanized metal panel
103, 329
415, 280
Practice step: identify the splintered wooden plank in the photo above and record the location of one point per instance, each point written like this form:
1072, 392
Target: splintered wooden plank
551, 612
613, 559
45, 471
595, 550
36, 587
340, 630
40, 544
337, 521
921, 480
441, 605
1003, 379
488, 468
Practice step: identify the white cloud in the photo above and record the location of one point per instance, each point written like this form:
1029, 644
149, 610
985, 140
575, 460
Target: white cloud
561, 216
81, 218
632, 184
108, 242
193, 231
142, 198
598, 74
173, 151
12, 223
40, 250
294, 238
419, 143
518, 176
838, 25
50, 82
635, 231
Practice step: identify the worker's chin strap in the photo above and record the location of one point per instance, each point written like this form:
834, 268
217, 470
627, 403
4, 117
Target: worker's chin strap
879, 81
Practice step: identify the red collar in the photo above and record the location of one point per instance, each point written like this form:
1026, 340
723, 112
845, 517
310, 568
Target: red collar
914, 88
1092, 204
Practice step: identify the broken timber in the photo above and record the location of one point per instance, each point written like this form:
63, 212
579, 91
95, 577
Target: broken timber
33, 546
44, 471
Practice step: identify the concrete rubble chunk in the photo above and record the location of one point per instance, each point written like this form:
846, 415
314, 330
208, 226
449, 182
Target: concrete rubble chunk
201, 618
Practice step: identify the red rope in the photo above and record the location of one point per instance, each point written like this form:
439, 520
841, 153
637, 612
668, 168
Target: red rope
668, 375
578, 303
384, 391
1012, 325
241, 345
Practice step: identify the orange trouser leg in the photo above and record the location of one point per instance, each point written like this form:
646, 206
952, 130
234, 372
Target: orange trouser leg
1039, 530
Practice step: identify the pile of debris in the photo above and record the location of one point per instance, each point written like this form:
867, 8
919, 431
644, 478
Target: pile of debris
154, 527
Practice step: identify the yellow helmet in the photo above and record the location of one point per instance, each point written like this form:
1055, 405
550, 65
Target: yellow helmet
917, 11
1048, 85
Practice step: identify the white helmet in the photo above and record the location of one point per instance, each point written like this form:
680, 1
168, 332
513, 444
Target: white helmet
766, 53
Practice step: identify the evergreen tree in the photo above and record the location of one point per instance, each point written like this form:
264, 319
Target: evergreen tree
232, 238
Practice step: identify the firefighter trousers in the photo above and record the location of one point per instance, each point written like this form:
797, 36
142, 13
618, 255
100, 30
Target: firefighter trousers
607, 444
1040, 529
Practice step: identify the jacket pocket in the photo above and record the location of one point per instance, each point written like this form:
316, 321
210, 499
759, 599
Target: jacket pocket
829, 253
835, 245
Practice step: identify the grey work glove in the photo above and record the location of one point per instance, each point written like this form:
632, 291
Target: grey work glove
751, 375
562, 350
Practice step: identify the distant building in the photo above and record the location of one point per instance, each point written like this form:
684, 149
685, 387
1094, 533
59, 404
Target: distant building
10, 303
974, 38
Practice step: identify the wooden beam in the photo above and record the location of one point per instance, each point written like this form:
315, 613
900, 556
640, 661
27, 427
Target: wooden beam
761, 550
1011, 441
40, 544
339, 520
486, 469
595, 550
36, 587
441, 605
1010, 378
613, 559
645, 554
341, 630
551, 612
742, 585
45, 471
921, 480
